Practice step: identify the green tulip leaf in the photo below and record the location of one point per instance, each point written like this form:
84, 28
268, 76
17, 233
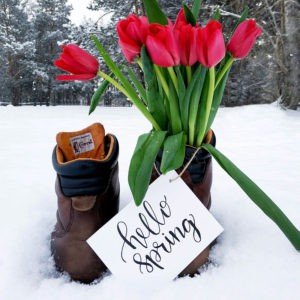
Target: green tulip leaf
113, 67
189, 17
141, 163
137, 84
187, 98
163, 99
196, 8
174, 152
181, 87
222, 63
141, 141
257, 196
218, 95
154, 12
216, 16
117, 71
174, 109
205, 106
98, 94
154, 100
194, 104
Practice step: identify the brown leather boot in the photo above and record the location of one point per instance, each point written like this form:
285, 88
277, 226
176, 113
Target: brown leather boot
87, 188
198, 178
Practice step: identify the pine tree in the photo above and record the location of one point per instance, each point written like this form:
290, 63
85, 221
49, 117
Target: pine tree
15, 52
51, 27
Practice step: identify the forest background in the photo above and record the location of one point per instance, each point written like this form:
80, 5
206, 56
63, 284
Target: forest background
32, 32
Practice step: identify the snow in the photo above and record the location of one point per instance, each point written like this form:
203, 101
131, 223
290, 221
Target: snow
252, 259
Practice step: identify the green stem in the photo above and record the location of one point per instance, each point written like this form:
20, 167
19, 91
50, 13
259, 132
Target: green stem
171, 97
209, 99
139, 61
196, 105
223, 71
162, 80
115, 83
189, 74
174, 78
139, 105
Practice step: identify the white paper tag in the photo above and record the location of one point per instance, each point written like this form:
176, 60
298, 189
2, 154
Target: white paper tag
82, 143
157, 240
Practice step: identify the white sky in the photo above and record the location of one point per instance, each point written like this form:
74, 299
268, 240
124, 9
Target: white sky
80, 12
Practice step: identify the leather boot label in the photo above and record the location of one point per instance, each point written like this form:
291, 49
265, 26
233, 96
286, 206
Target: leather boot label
151, 244
82, 143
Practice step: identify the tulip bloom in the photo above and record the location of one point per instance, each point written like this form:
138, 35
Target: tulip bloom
185, 35
132, 35
180, 20
75, 60
162, 46
210, 44
243, 39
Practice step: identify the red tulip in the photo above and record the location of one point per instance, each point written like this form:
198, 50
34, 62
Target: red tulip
243, 39
186, 38
162, 46
75, 60
185, 35
210, 43
132, 35
180, 20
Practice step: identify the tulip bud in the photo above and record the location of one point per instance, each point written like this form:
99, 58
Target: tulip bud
186, 38
210, 44
162, 46
80, 63
243, 39
180, 19
132, 35
185, 35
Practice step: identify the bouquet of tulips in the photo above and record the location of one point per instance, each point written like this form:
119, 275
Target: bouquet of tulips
185, 70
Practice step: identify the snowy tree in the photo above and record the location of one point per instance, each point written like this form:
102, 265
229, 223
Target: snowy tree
31, 36
15, 51
51, 29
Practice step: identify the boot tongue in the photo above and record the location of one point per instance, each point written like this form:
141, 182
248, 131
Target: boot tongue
86, 143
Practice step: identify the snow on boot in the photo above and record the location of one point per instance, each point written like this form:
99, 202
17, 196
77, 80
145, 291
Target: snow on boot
198, 178
87, 188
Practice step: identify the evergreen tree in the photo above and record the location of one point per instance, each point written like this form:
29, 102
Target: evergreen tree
15, 52
51, 27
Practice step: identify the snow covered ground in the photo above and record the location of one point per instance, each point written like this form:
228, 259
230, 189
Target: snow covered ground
252, 260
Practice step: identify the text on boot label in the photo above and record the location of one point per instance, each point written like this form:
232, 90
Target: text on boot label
82, 143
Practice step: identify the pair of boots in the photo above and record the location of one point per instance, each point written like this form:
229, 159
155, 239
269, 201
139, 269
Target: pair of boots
88, 189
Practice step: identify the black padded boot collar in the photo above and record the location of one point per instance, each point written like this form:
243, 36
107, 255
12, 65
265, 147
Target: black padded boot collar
86, 176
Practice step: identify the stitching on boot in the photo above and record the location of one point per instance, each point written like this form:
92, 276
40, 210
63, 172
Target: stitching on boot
67, 229
71, 219
58, 232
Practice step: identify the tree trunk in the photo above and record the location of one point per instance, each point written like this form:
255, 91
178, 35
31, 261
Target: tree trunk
291, 90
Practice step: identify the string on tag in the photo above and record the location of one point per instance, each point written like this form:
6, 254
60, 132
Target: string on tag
186, 166
157, 171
